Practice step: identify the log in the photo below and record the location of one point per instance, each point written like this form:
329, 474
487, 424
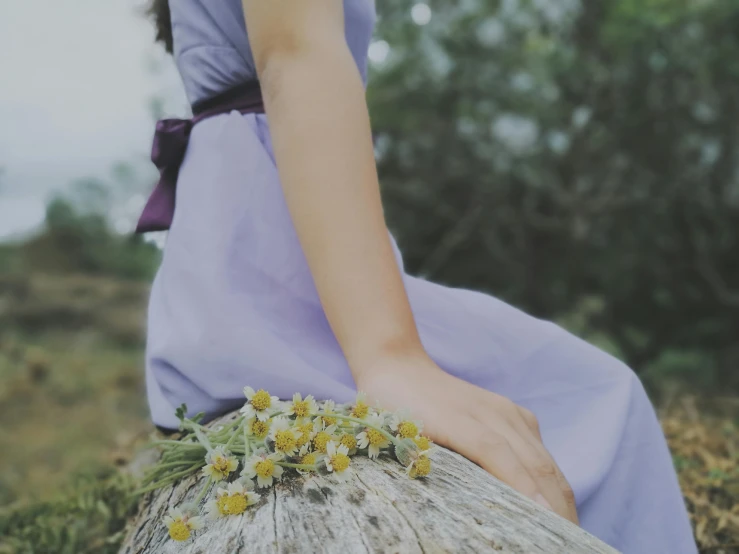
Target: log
459, 508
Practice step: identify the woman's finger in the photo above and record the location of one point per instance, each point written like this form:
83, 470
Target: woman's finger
544, 469
494, 454
569, 496
530, 420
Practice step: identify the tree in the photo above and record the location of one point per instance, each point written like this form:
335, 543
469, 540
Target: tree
568, 154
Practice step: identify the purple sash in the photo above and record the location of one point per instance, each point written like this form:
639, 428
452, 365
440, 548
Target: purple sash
170, 145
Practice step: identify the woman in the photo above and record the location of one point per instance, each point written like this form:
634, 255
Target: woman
279, 273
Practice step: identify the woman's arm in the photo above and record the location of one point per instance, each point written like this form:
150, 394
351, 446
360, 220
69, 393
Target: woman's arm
320, 129
318, 119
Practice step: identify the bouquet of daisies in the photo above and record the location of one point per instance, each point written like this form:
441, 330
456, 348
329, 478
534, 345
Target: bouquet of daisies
270, 437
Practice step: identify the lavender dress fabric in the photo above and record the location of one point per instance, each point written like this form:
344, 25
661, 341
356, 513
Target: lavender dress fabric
233, 303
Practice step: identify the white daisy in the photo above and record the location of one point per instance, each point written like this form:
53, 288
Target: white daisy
424, 443
329, 407
306, 433
256, 428
322, 436
259, 404
306, 457
337, 460
233, 500
360, 408
301, 408
262, 466
405, 427
420, 466
285, 435
181, 524
219, 464
370, 438
350, 441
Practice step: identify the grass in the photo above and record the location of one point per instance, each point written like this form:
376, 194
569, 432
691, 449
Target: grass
71, 405
88, 517
72, 397
705, 446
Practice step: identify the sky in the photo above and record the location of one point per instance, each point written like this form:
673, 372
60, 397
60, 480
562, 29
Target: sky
76, 78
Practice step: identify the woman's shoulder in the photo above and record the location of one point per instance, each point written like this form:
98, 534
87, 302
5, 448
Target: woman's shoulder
199, 24
211, 46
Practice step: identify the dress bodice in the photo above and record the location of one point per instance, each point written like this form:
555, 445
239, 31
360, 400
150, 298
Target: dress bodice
212, 48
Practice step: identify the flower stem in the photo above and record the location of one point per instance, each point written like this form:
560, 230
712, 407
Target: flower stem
202, 438
207, 485
156, 468
167, 480
178, 443
238, 425
384, 433
247, 446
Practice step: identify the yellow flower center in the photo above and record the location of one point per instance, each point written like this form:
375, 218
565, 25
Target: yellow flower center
265, 468
222, 504
179, 531
301, 408
285, 441
340, 462
305, 436
259, 428
220, 464
360, 410
374, 437
235, 504
328, 421
422, 442
320, 441
349, 441
308, 459
261, 400
407, 430
421, 468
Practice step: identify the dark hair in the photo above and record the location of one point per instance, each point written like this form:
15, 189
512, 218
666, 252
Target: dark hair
159, 11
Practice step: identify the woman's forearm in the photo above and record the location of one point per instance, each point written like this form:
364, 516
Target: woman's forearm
316, 108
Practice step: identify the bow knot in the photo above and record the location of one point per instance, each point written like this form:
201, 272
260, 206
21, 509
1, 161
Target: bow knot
167, 153
170, 146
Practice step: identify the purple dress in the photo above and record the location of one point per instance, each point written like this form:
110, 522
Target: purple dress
234, 304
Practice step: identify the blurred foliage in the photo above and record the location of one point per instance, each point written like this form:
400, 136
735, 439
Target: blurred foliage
89, 518
77, 236
71, 401
553, 153
108, 309
77, 241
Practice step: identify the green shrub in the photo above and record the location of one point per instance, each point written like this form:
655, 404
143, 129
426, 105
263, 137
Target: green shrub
83, 242
549, 152
89, 518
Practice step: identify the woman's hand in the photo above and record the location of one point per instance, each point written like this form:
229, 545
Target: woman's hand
485, 427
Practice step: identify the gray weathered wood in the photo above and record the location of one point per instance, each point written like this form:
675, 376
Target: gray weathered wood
459, 508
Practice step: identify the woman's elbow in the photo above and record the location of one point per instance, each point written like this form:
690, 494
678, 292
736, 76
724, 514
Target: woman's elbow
295, 53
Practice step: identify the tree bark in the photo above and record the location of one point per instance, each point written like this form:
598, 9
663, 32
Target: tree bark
459, 508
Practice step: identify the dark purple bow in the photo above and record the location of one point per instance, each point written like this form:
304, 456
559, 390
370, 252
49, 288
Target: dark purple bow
167, 152
170, 145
